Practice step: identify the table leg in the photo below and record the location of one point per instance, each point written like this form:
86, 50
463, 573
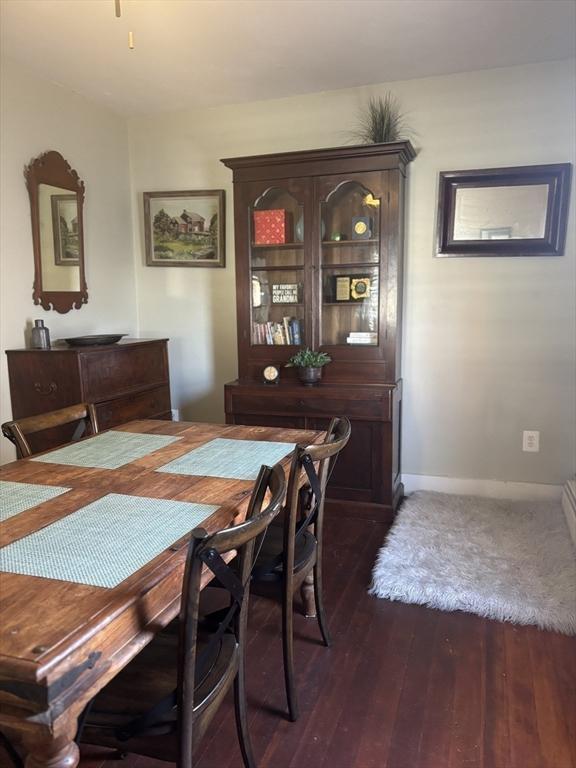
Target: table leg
307, 595
60, 753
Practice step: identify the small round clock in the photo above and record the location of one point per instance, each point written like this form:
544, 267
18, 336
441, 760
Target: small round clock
271, 374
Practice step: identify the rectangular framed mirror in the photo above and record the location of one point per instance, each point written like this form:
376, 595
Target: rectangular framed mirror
504, 211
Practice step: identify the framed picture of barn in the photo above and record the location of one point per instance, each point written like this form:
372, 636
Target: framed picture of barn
185, 229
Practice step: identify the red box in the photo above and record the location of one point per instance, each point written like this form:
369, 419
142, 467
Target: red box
271, 227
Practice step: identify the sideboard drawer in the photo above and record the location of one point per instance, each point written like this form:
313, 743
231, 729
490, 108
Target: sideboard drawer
121, 369
152, 404
42, 381
312, 405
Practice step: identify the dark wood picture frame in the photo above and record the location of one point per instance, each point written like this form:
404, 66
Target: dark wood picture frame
53, 170
187, 229
556, 176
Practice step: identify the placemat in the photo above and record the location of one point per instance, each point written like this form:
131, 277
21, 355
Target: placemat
18, 497
236, 459
107, 451
104, 542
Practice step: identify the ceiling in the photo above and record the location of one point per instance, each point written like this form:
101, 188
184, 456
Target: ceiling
200, 53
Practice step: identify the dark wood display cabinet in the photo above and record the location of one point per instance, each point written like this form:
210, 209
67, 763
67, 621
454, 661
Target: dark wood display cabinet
319, 238
126, 381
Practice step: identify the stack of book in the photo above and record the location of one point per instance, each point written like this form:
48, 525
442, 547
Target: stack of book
286, 332
362, 337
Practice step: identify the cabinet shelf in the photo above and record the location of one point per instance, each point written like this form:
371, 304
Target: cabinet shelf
283, 268
352, 265
339, 243
276, 246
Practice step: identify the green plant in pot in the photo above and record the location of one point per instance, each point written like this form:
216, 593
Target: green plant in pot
381, 121
309, 364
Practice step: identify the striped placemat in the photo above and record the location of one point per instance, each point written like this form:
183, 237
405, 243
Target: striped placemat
109, 450
235, 459
104, 542
18, 497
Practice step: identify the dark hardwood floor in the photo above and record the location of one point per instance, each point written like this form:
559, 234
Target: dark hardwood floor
403, 686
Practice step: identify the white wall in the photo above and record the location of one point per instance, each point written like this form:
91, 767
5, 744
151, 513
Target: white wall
488, 344
38, 116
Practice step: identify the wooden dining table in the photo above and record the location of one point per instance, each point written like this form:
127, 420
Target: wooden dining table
61, 641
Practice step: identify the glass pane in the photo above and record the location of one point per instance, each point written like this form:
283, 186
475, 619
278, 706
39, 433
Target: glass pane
350, 225
350, 306
277, 275
500, 213
59, 238
359, 252
277, 230
276, 256
277, 306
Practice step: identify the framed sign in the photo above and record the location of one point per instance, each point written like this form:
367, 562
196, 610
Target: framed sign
185, 229
504, 211
285, 293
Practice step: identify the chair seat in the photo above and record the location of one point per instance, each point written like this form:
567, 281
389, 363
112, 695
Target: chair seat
150, 678
304, 554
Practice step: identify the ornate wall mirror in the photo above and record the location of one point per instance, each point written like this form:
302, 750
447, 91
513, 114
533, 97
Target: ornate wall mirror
56, 201
504, 211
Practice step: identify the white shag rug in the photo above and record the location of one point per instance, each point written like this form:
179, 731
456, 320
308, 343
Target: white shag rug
507, 560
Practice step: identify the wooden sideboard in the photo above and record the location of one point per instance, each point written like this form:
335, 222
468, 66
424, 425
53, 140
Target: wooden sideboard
125, 381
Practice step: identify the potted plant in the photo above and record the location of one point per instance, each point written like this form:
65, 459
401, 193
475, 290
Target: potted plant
309, 364
381, 121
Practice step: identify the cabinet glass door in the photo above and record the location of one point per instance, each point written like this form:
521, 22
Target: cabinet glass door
277, 269
350, 266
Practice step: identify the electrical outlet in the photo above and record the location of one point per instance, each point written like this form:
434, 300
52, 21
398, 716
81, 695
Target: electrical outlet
531, 441
175, 414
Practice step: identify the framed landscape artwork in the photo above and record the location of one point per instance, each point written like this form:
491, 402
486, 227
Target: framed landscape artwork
65, 230
185, 229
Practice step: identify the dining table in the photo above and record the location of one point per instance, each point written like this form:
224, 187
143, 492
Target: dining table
93, 540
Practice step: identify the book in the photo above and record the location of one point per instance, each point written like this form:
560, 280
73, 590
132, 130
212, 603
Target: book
278, 334
295, 328
287, 333
362, 337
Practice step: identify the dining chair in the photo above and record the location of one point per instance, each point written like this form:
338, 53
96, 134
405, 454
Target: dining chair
17, 430
292, 550
160, 704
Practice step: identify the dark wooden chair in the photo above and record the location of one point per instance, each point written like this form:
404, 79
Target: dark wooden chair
17, 430
161, 703
292, 550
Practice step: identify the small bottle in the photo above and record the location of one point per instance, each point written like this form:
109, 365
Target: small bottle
40, 338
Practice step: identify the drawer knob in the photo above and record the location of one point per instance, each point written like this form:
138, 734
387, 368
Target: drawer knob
45, 389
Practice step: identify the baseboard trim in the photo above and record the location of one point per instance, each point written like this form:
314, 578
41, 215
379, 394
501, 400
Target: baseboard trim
569, 507
498, 489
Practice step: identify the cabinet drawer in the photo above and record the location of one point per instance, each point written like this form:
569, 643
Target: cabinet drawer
154, 403
116, 371
42, 382
266, 420
315, 405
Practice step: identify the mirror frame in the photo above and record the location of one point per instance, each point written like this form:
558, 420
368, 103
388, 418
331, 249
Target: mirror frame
557, 177
52, 169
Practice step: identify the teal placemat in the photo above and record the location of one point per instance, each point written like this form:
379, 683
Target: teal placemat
17, 497
107, 451
104, 542
236, 459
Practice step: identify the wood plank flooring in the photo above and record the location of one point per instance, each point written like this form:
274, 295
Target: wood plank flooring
403, 686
